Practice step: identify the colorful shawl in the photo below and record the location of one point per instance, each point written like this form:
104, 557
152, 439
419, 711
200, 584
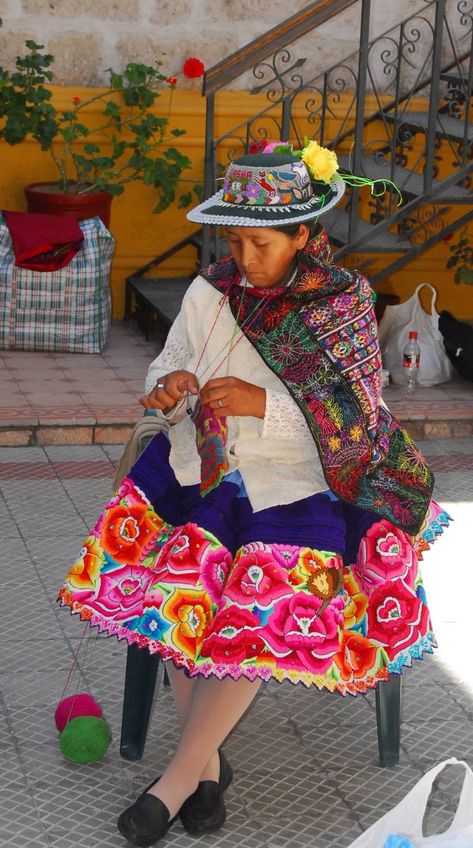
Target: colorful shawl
319, 336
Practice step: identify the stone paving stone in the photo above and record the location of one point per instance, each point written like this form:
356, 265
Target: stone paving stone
22, 454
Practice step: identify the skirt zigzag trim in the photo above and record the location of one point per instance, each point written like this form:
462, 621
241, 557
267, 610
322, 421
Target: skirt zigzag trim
425, 645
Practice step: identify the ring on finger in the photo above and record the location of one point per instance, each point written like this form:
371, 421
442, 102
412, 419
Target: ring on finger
219, 403
160, 386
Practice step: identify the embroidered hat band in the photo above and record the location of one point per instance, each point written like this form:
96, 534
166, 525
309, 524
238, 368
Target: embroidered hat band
268, 190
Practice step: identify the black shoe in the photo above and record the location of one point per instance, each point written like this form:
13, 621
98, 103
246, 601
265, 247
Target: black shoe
204, 810
146, 821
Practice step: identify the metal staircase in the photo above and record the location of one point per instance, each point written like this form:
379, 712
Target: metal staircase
366, 107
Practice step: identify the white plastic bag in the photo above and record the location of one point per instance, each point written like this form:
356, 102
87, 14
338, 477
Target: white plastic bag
405, 820
394, 329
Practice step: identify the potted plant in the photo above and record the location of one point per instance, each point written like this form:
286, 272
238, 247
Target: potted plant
136, 141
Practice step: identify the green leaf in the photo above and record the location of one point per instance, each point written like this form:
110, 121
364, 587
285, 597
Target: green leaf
113, 188
199, 191
178, 132
464, 275
31, 45
118, 148
81, 129
136, 73
185, 200
116, 80
91, 148
112, 109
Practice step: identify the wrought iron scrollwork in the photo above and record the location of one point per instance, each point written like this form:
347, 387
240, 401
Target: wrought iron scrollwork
276, 79
424, 223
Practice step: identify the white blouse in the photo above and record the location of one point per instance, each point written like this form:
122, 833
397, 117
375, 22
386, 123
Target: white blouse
276, 456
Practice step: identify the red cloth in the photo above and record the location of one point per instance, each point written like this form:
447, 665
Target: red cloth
43, 242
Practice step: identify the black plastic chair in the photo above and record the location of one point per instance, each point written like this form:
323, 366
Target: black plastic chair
140, 682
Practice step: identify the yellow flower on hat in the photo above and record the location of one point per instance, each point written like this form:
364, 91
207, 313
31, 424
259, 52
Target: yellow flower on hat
321, 162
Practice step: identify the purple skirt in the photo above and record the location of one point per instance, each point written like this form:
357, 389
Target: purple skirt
316, 591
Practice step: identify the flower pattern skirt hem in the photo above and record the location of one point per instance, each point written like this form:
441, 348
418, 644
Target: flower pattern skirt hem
227, 592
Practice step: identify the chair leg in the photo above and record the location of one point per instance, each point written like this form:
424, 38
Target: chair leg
140, 681
388, 719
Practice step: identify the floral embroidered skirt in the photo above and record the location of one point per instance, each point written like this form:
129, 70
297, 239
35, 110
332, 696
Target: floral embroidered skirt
316, 592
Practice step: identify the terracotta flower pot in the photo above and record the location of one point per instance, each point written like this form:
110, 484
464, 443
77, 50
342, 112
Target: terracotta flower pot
47, 198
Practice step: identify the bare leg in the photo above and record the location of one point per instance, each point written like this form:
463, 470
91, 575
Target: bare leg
215, 708
183, 689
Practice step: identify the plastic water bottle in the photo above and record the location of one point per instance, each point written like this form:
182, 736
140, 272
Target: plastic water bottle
410, 364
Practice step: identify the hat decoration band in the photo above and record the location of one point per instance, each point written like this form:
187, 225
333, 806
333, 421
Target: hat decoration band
284, 185
289, 184
280, 185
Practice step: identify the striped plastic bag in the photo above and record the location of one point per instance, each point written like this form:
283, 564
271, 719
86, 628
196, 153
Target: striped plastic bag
65, 310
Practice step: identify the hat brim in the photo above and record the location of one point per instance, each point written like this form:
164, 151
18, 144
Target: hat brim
215, 210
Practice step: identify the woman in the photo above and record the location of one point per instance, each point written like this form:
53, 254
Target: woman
274, 532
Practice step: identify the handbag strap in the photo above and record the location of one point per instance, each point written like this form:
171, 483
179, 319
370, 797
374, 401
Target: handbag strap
434, 295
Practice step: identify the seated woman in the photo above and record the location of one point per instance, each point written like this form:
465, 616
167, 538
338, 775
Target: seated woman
275, 533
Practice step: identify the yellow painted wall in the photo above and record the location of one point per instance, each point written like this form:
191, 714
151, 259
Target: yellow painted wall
140, 234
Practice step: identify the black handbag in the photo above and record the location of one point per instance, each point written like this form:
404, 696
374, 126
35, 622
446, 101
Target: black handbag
458, 342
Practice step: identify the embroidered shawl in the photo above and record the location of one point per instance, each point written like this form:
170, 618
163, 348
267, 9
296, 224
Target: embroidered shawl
319, 336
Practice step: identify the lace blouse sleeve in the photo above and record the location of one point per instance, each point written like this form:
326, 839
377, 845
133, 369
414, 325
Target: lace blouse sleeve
174, 356
283, 419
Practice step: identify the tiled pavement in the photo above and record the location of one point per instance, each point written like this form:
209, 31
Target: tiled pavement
70, 398
306, 771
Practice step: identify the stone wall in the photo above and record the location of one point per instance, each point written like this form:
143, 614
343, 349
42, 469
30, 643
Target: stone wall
86, 37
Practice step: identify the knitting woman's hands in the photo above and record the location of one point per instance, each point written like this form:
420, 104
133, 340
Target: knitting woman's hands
232, 396
170, 389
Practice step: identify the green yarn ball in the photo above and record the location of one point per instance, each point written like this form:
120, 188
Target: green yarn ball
85, 739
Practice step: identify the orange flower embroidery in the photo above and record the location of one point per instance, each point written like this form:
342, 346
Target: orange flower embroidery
127, 530
355, 601
190, 610
309, 561
84, 573
356, 656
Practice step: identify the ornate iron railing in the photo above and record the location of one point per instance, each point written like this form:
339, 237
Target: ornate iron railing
366, 106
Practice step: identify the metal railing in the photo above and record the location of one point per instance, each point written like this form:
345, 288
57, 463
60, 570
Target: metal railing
365, 106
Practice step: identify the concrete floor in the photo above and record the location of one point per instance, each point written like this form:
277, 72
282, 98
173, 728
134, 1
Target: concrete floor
306, 770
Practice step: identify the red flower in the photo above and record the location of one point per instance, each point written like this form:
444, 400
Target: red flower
396, 618
171, 80
193, 68
257, 146
181, 556
448, 237
76, 99
233, 637
257, 578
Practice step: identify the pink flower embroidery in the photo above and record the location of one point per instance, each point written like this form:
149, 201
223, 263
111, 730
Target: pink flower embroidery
181, 556
385, 553
286, 555
128, 490
121, 593
214, 569
300, 635
257, 578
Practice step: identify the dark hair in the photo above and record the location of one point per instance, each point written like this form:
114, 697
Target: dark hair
291, 230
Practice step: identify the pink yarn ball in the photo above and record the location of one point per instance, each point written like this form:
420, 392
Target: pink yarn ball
76, 705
